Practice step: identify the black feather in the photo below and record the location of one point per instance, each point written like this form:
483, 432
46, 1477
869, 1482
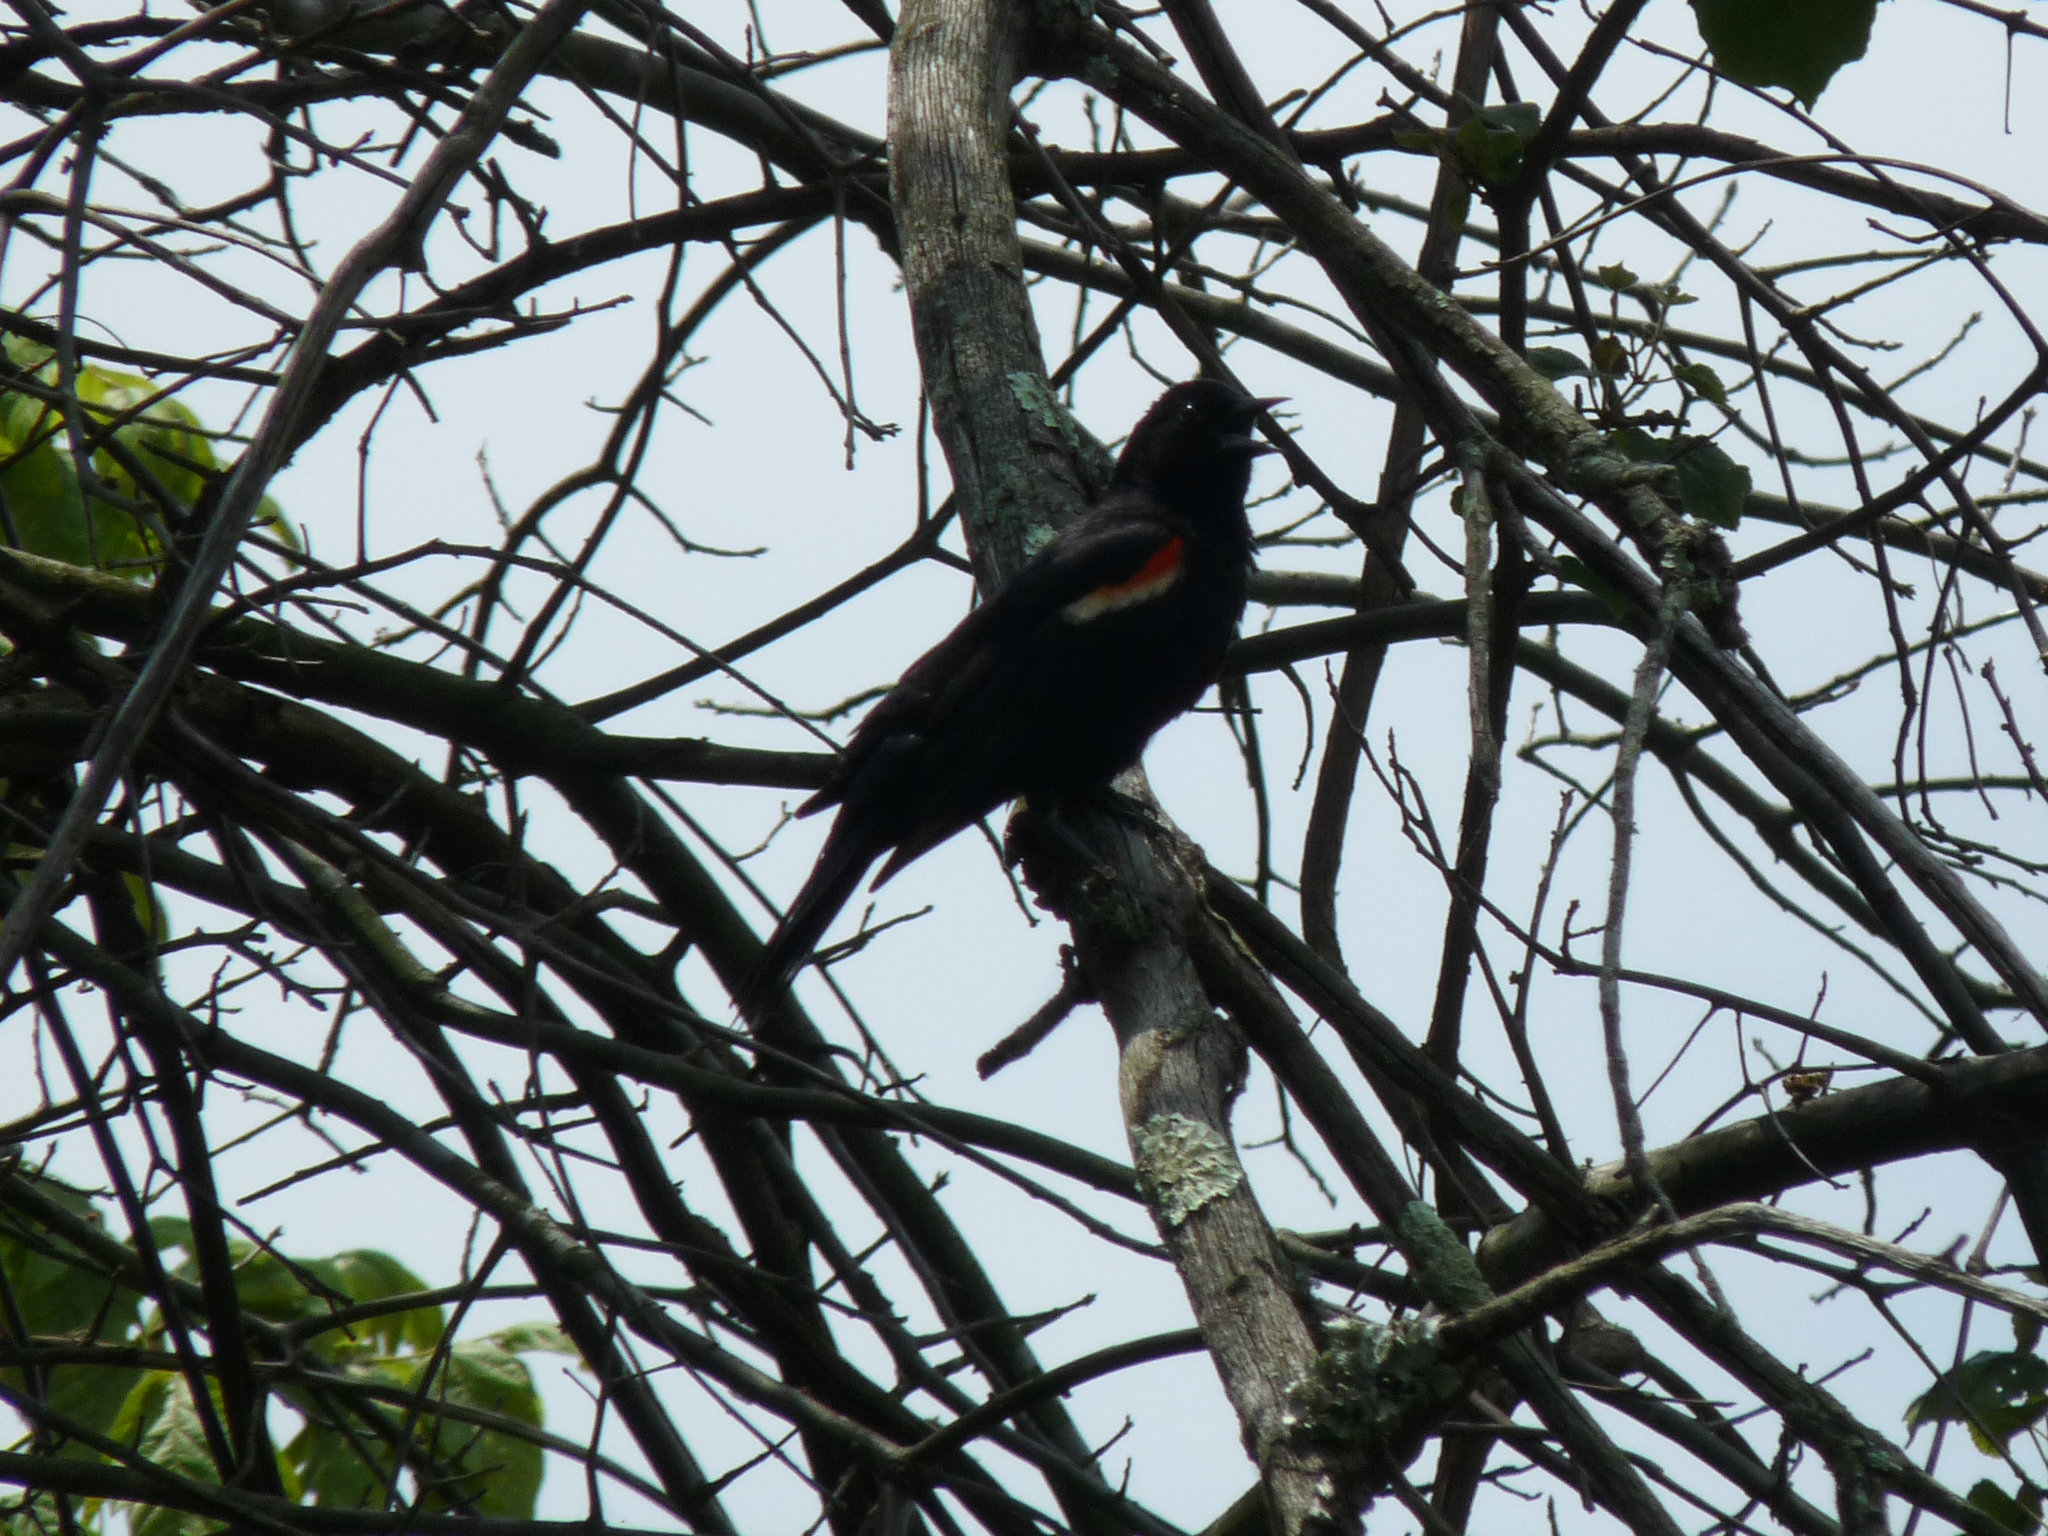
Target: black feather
1054, 685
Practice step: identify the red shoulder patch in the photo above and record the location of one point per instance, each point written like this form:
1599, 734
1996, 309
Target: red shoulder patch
1158, 573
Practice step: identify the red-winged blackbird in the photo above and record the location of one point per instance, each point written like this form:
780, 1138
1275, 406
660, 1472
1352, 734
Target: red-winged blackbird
1053, 686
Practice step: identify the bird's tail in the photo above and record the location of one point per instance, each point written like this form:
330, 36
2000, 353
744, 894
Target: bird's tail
833, 880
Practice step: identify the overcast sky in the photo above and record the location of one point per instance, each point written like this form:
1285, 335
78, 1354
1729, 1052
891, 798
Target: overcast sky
764, 468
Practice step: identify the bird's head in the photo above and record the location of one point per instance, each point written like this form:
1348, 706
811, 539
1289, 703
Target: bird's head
1195, 445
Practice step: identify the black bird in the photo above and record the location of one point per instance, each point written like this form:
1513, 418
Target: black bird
1053, 686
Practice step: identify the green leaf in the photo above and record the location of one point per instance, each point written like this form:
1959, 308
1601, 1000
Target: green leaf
58, 1289
1457, 204
1556, 363
2021, 1515
1664, 295
1710, 485
1702, 381
1579, 574
1798, 44
62, 1294
271, 519
1637, 445
1615, 276
1610, 357
489, 1471
172, 453
1521, 118
338, 1464
40, 477
89, 1395
267, 1285
161, 1422
37, 1516
1489, 155
164, 436
1994, 1393
149, 910
340, 1470
536, 1339
365, 1274
287, 1290
496, 1473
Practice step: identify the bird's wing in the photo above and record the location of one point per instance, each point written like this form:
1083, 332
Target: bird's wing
1112, 559
1098, 566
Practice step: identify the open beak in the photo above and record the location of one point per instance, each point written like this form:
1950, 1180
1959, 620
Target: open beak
1244, 442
